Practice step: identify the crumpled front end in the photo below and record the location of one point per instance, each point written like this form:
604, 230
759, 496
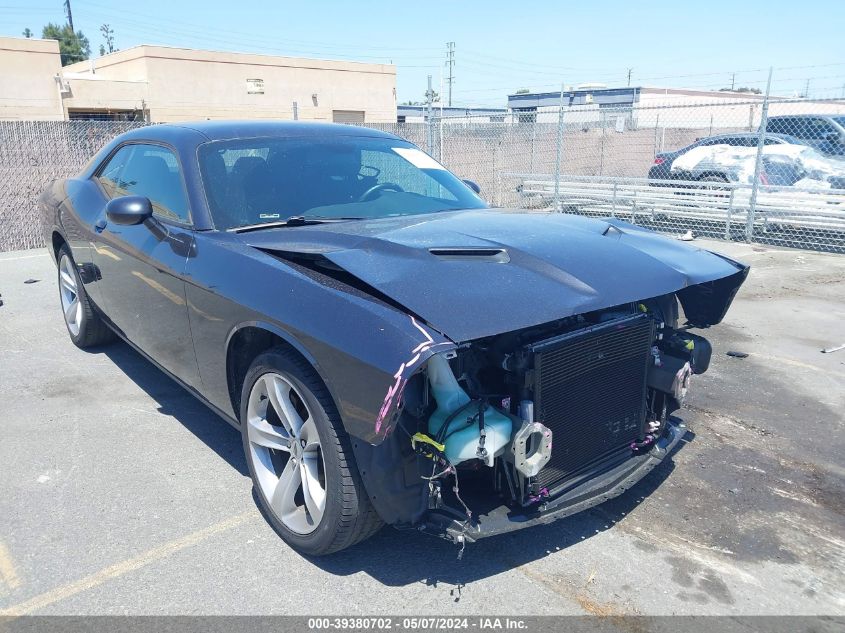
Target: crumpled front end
533, 425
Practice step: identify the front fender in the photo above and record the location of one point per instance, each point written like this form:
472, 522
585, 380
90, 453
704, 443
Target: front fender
363, 348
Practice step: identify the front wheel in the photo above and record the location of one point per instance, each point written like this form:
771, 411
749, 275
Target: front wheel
84, 325
300, 458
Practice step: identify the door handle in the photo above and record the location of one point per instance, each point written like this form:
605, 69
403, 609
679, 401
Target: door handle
100, 226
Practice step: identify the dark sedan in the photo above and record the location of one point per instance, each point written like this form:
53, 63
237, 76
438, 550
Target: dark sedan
661, 169
391, 349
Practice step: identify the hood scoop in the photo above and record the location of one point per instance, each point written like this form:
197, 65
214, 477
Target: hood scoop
496, 255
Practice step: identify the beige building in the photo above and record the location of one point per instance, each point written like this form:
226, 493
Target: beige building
161, 84
28, 85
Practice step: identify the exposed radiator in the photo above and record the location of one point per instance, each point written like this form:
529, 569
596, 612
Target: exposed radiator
590, 390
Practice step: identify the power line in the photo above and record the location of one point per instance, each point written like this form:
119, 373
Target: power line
203, 30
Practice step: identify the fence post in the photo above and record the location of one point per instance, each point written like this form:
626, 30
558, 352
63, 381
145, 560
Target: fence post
558, 149
603, 123
498, 200
429, 119
656, 125
755, 185
613, 209
730, 213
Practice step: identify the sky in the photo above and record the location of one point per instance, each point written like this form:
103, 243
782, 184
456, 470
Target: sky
500, 47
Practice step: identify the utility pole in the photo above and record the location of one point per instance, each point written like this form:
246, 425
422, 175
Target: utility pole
630, 70
69, 15
450, 62
807, 90
733, 81
429, 99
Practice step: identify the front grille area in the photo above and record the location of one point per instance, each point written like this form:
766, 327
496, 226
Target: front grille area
590, 390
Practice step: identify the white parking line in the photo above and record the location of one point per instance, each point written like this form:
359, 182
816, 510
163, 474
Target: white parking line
12, 259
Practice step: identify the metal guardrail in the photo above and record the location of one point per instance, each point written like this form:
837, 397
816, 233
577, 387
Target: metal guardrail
787, 215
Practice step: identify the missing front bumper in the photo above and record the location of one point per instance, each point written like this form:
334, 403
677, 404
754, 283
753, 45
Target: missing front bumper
592, 492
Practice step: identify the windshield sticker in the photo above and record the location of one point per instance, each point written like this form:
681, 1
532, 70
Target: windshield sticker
269, 216
418, 158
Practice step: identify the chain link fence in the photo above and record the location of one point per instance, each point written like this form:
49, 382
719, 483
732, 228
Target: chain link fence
32, 153
767, 171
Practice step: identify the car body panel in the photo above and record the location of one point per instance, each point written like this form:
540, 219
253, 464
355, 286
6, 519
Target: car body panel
551, 270
824, 132
358, 354
664, 171
365, 302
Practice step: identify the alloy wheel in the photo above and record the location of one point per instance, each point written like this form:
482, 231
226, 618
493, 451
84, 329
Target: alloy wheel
285, 452
69, 292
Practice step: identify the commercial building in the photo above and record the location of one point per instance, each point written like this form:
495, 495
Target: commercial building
28, 87
161, 84
419, 114
650, 107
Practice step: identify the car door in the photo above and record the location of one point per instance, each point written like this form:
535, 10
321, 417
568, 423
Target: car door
142, 266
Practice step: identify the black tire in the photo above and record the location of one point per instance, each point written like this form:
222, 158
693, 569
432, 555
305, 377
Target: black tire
349, 517
92, 329
713, 185
714, 178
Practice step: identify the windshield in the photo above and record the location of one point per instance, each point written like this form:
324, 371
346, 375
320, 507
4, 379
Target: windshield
268, 180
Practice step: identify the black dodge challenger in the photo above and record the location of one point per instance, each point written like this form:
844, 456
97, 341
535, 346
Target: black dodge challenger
392, 350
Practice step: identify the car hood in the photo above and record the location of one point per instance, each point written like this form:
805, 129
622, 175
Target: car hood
471, 274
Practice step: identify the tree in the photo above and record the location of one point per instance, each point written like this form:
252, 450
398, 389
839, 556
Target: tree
108, 36
754, 91
27, 33
522, 91
73, 47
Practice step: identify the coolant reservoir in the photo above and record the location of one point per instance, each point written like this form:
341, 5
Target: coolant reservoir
462, 439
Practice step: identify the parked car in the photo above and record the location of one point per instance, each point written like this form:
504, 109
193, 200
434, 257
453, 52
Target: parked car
391, 349
824, 132
661, 169
782, 165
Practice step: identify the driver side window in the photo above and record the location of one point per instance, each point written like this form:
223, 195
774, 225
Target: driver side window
151, 171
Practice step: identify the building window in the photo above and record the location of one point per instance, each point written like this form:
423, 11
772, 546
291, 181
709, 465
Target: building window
255, 86
105, 115
348, 116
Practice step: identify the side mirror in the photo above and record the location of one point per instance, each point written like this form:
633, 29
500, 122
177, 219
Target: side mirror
472, 185
129, 210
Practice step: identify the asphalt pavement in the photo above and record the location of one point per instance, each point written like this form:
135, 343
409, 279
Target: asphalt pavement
121, 494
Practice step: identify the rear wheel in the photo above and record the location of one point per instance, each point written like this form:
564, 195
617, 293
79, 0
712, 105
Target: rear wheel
713, 178
300, 458
84, 325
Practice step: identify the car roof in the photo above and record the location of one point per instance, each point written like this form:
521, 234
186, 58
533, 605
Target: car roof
804, 116
228, 130
747, 135
219, 130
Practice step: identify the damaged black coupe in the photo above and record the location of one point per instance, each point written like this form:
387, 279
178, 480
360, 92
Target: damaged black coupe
392, 350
